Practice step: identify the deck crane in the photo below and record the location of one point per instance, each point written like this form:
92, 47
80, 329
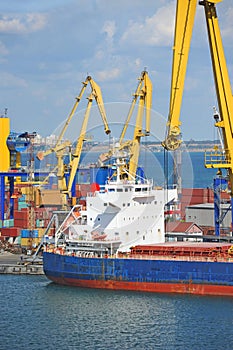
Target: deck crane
59, 148
185, 13
144, 94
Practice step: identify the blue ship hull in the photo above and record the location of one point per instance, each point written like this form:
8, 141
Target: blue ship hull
193, 277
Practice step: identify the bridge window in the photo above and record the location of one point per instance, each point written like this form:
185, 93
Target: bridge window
138, 189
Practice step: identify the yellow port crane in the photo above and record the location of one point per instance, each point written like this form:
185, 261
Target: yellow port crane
144, 94
223, 158
185, 13
59, 148
219, 159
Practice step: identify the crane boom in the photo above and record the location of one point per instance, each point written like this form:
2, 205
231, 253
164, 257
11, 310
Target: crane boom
141, 79
97, 95
57, 147
60, 146
77, 154
78, 99
145, 101
99, 100
148, 101
144, 93
185, 14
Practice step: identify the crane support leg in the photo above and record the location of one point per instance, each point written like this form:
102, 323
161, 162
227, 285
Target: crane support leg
218, 182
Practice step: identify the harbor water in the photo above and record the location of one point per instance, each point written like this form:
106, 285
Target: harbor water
37, 314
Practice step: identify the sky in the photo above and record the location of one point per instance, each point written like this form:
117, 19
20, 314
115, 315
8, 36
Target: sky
47, 49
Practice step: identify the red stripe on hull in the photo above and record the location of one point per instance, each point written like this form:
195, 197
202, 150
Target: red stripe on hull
182, 288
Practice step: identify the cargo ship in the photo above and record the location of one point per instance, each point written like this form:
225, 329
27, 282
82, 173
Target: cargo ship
191, 268
118, 242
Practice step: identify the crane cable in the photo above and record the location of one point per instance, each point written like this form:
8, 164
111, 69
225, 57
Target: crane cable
165, 171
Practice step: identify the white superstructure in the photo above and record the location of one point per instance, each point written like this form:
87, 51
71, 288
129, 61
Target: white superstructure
123, 210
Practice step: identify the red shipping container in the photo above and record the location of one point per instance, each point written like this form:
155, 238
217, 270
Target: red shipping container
21, 215
16, 203
21, 223
10, 231
24, 209
17, 214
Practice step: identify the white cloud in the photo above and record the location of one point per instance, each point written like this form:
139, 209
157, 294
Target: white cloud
105, 75
155, 30
10, 80
100, 54
109, 28
138, 63
18, 24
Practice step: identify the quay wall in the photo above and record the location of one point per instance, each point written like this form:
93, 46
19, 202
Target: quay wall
21, 269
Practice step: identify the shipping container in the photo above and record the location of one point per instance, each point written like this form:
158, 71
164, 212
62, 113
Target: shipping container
7, 223
21, 223
10, 232
30, 242
27, 233
22, 205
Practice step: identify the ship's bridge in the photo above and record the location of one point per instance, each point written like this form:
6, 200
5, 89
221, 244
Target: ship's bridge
128, 186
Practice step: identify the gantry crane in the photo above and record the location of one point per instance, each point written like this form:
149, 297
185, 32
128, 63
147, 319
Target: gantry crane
185, 13
61, 146
144, 93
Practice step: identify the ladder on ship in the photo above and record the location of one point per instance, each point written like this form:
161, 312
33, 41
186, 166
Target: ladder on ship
55, 221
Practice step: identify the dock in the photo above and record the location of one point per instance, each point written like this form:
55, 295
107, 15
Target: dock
17, 264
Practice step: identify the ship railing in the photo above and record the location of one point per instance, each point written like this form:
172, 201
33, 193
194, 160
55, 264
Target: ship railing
90, 241
177, 258
73, 217
144, 186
